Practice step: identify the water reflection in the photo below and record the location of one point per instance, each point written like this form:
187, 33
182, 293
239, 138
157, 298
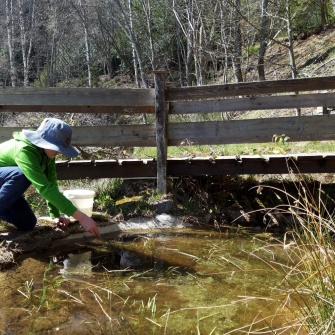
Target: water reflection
83, 263
77, 264
174, 283
129, 260
89, 262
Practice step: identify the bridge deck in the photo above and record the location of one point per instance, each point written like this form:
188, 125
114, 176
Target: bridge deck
196, 166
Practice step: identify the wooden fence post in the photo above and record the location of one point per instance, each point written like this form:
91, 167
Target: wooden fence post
161, 129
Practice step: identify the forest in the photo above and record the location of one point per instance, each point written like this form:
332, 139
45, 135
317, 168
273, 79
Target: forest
80, 43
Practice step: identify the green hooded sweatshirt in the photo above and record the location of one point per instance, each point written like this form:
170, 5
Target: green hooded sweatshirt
39, 169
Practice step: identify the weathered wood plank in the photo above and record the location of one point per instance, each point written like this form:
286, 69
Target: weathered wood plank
106, 169
302, 128
250, 88
253, 164
253, 103
199, 166
79, 109
104, 136
161, 130
6, 133
115, 136
76, 97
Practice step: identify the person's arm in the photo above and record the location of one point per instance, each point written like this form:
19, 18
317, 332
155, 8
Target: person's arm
28, 161
87, 222
33, 165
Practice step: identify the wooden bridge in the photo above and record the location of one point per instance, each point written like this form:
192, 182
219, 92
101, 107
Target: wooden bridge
167, 104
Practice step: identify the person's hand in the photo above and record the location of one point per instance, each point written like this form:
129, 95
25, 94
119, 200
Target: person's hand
87, 223
62, 221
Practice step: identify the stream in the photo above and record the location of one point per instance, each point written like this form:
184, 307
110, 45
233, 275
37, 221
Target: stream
180, 281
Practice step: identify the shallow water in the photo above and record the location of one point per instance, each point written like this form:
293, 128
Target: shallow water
179, 282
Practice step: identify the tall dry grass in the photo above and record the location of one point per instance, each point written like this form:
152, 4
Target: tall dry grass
306, 296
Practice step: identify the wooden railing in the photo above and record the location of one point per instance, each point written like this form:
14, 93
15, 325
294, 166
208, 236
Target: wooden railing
167, 102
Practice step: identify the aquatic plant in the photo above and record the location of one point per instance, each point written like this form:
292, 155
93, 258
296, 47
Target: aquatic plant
27, 289
306, 295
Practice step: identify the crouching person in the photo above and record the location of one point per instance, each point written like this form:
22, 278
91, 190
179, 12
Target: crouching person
29, 158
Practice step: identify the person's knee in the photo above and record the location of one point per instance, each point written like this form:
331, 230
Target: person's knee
20, 215
27, 225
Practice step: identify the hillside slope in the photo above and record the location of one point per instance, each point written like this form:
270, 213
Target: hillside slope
314, 56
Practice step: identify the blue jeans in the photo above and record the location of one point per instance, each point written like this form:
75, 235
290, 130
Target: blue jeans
13, 207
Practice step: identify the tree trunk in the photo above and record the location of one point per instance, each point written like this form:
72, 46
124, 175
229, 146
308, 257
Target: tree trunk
26, 31
293, 66
133, 48
224, 42
323, 13
188, 31
52, 62
180, 55
127, 27
11, 52
237, 58
146, 5
83, 17
190, 42
263, 40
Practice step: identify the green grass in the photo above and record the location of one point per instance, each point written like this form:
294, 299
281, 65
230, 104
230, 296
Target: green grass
241, 149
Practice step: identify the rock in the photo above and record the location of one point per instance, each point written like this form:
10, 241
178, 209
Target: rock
164, 206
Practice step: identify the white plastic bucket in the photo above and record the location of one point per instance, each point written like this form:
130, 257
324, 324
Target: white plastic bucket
82, 199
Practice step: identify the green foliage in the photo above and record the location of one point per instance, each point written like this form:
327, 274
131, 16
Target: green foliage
107, 193
311, 15
190, 206
252, 50
144, 152
45, 284
134, 206
42, 80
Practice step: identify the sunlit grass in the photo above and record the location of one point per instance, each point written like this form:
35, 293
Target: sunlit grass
240, 149
307, 291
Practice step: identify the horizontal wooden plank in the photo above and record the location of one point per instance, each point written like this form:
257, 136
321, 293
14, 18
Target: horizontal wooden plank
200, 166
127, 110
76, 97
143, 135
104, 136
130, 161
297, 128
250, 88
6, 133
253, 164
115, 169
253, 103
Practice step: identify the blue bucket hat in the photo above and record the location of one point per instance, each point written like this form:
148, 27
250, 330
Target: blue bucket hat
53, 134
